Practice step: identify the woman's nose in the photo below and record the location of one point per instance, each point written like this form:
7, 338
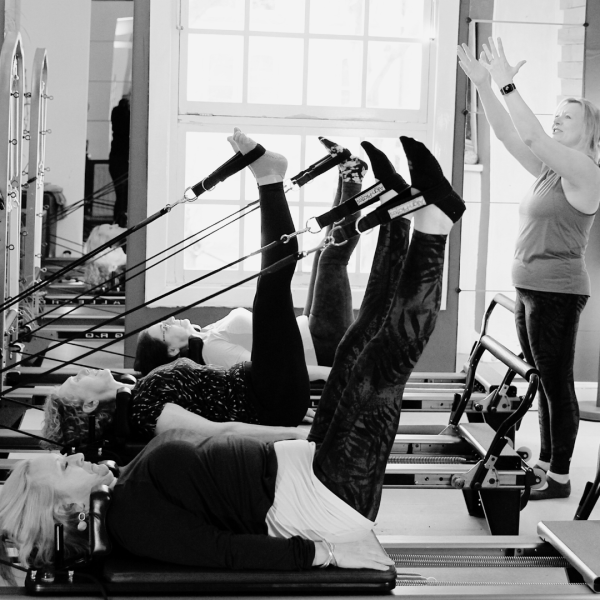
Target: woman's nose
76, 458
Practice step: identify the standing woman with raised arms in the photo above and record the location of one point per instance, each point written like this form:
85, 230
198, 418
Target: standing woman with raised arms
555, 218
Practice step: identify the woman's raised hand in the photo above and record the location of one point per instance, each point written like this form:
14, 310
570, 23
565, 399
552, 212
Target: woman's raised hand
473, 68
502, 73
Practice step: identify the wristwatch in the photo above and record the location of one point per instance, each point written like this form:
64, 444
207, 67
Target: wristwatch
507, 89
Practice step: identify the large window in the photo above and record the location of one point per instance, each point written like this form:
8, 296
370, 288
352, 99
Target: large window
287, 72
325, 58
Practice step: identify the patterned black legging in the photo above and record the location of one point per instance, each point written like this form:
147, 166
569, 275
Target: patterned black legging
359, 410
547, 328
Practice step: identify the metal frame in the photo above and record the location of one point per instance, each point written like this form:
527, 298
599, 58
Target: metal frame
11, 130
37, 153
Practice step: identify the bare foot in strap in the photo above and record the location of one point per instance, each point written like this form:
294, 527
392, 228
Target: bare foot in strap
269, 168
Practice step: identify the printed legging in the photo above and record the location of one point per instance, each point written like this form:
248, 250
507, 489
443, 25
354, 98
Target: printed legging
547, 329
359, 410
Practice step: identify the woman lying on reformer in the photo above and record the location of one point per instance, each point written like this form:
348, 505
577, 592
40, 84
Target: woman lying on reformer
241, 503
326, 317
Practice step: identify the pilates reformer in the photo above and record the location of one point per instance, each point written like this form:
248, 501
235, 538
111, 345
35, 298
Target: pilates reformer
561, 563
470, 457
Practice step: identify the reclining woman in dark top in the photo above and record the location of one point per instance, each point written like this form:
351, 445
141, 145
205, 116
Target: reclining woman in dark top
272, 390
326, 317
237, 502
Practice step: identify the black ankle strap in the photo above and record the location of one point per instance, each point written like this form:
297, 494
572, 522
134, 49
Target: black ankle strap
320, 167
235, 164
357, 202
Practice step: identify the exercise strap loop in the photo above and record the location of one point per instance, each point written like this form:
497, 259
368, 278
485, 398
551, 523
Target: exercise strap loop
318, 168
235, 164
378, 191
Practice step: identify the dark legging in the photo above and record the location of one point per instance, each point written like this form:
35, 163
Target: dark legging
547, 328
329, 300
279, 379
360, 407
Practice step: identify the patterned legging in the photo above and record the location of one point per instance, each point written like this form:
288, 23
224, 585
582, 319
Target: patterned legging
329, 299
359, 410
547, 328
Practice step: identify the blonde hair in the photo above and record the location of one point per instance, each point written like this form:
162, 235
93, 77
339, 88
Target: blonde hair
66, 421
101, 267
29, 509
591, 124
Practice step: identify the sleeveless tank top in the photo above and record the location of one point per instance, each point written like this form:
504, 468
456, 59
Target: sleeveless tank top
553, 236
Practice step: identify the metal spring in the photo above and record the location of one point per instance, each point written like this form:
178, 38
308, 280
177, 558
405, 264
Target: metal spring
413, 459
422, 582
429, 560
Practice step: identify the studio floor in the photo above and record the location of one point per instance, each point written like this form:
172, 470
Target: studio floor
443, 512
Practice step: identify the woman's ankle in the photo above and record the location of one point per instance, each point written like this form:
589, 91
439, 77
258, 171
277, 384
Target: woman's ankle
269, 168
430, 219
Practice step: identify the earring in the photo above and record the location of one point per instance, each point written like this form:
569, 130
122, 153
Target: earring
82, 525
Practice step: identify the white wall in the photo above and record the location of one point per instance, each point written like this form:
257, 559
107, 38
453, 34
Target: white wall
63, 28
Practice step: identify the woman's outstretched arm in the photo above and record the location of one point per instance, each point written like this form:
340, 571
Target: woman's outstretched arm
568, 161
177, 417
498, 117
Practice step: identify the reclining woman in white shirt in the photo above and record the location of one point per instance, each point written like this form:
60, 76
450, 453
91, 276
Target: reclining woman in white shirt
326, 317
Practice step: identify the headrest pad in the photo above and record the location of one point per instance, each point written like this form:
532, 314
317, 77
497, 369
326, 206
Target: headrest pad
100, 544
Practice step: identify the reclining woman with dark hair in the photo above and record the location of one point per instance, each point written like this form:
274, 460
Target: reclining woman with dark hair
240, 503
326, 317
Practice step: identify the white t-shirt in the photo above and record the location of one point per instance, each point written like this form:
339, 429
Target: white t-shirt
229, 340
304, 506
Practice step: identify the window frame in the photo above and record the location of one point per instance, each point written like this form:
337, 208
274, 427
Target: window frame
167, 127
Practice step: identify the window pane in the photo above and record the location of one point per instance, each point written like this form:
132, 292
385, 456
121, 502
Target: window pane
394, 75
216, 14
215, 67
334, 73
204, 153
277, 15
396, 18
216, 250
275, 67
341, 17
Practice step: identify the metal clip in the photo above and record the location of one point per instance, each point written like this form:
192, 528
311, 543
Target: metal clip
330, 236
285, 238
308, 226
189, 198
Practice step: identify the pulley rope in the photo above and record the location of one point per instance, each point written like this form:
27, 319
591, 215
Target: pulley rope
115, 278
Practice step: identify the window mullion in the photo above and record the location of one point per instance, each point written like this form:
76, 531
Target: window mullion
363, 100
